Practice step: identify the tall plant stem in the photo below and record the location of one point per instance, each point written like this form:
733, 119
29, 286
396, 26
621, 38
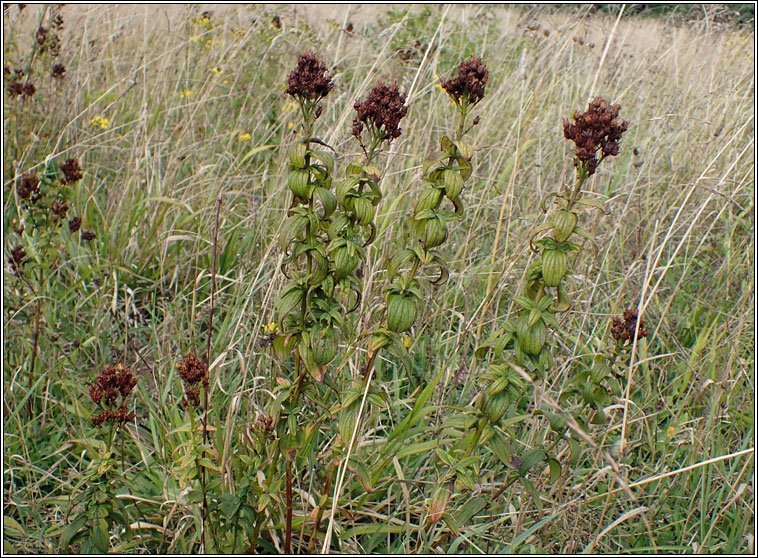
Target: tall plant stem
204, 509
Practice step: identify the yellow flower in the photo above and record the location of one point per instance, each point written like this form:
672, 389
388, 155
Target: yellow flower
216, 70
670, 432
290, 125
225, 82
407, 341
186, 93
244, 137
270, 328
100, 122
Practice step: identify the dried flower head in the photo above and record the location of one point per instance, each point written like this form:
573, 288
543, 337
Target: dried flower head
599, 128
309, 80
467, 88
28, 186
623, 330
15, 88
113, 383
382, 110
59, 209
75, 224
58, 71
194, 375
88, 235
16, 259
29, 89
41, 35
72, 172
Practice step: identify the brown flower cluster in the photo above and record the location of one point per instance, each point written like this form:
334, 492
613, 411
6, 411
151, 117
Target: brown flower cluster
72, 172
15, 85
383, 110
75, 224
87, 235
194, 374
28, 186
597, 128
623, 330
467, 88
16, 259
309, 80
59, 209
112, 383
48, 40
58, 71
264, 426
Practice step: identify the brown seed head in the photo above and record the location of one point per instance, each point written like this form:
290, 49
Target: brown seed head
27, 186
88, 235
383, 110
309, 80
72, 172
623, 329
599, 128
58, 71
16, 259
75, 224
194, 374
59, 209
468, 86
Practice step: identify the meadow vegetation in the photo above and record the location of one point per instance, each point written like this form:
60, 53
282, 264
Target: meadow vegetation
251, 309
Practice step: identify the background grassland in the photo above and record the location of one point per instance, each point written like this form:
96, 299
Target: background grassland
679, 242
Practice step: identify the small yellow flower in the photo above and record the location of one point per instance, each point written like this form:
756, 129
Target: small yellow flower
100, 122
407, 341
225, 82
270, 328
216, 70
290, 125
186, 93
670, 432
244, 137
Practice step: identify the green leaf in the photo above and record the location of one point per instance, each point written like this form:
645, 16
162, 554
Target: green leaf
71, 530
253, 151
99, 535
555, 469
415, 449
